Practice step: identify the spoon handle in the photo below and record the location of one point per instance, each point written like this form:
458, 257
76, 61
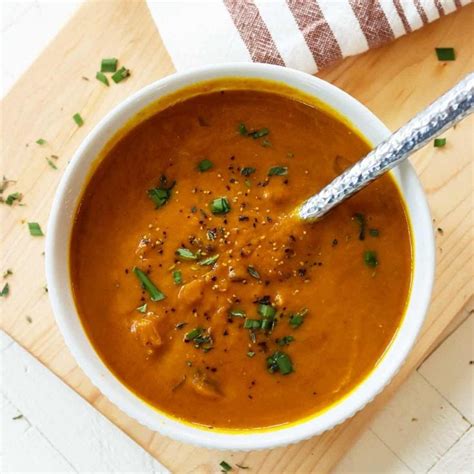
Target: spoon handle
442, 114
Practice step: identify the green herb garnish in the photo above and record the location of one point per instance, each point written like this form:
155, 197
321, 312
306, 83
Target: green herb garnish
360, 219
258, 133
279, 362
200, 338
220, 206
374, 232
120, 75
51, 163
253, 272
193, 334
439, 142
11, 198
205, 165
296, 320
162, 193
370, 258
177, 277
41, 141
285, 341
78, 119
142, 308
278, 171
108, 65
266, 311
247, 171
250, 354
147, 284
252, 323
209, 261
35, 229
445, 54
7, 273
100, 76
225, 466
5, 290
237, 313
242, 129
266, 143
186, 254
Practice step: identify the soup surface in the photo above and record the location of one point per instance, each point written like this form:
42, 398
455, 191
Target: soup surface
199, 290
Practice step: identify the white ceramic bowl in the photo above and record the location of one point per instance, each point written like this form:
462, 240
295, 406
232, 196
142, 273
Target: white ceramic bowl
57, 263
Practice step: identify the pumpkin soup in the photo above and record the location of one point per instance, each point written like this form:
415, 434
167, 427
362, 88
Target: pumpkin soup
200, 290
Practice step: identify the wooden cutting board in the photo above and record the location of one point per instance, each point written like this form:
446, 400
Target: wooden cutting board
394, 81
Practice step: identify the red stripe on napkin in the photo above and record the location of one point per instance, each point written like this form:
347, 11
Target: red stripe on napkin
316, 31
373, 22
254, 31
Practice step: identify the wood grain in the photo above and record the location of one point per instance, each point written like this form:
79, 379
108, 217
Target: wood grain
395, 82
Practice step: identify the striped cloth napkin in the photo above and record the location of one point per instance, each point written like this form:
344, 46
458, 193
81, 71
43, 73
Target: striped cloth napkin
302, 34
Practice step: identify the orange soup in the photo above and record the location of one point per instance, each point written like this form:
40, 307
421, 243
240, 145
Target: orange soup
200, 290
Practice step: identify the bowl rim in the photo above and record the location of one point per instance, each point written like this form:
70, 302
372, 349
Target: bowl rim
60, 293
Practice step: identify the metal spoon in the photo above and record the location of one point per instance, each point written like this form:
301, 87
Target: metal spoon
442, 114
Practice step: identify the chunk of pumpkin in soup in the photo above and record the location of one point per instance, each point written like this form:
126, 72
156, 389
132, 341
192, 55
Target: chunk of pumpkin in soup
147, 333
239, 316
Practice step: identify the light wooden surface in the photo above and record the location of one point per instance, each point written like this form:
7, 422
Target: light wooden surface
403, 77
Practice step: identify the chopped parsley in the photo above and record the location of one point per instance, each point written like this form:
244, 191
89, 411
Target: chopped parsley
186, 254
108, 65
11, 198
121, 74
162, 193
247, 171
266, 311
263, 132
253, 272
252, 323
5, 290
177, 277
142, 308
200, 338
78, 119
220, 206
370, 258
51, 163
7, 273
439, 142
205, 165
445, 54
285, 341
209, 261
374, 232
41, 141
101, 77
148, 285
297, 319
225, 467
35, 229
278, 171
279, 362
